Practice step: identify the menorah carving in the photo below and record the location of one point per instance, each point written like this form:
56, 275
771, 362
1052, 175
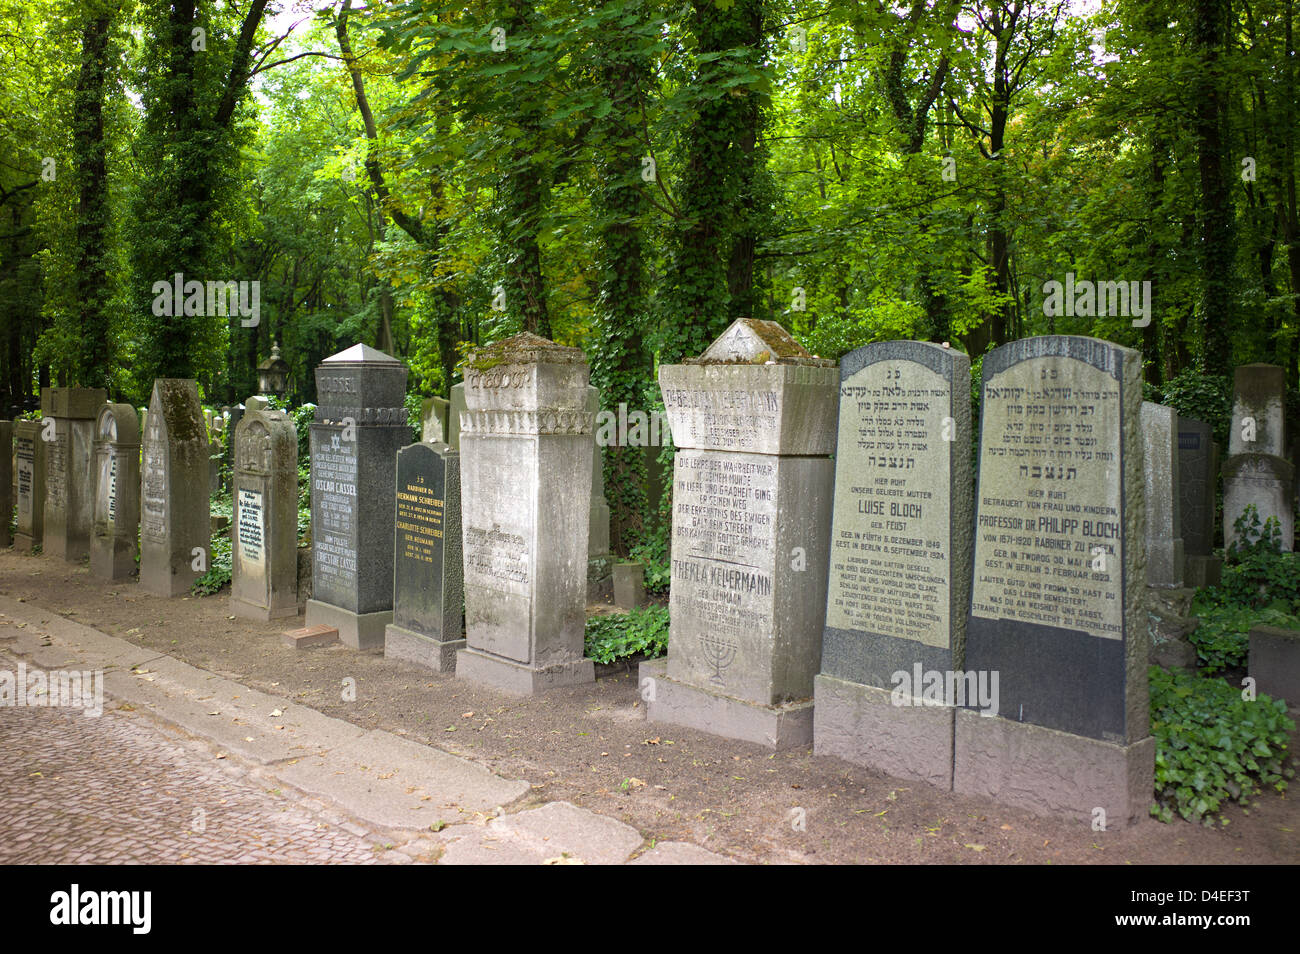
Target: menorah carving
718, 652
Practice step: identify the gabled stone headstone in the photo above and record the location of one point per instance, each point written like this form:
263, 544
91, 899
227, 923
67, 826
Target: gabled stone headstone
433, 420
264, 525
525, 457
175, 523
115, 528
1257, 472
900, 557
1164, 540
753, 421
29, 467
6, 482
69, 469
360, 424
428, 595
1057, 602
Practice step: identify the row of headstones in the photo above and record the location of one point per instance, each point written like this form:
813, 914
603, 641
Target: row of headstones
992, 642
996, 648
91, 481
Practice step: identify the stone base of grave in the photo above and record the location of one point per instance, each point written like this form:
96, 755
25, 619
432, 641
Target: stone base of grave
162, 581
676, 703
1274, 662
248, 610
1053, 773
860, 724
474, 665
23, 543
1203, 571
112, 562
400, 643
69, 549
356, 630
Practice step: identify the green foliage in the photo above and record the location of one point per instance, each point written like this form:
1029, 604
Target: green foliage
1257, 572
1222, 640
1213, 746
1204, 397
643, 631
653, 553
220, 556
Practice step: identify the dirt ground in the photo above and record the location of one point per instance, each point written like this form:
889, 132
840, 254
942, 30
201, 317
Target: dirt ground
593, 747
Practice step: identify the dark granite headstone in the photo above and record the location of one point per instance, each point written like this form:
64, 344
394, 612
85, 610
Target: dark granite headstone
360, 424
1196, 478
1057, 598
428, 596
115, 529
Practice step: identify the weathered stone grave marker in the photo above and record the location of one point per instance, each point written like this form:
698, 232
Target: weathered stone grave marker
175, 521
433, 420
1257, 471
115, 527
428, 595
69, 469
753, 419
264, 525
600, 573
1057, 602
29, 464
900, 559
1161, 473
525, 458
360, 424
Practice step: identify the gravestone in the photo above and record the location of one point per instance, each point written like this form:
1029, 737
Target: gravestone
433, 420
1257, 472
115, 526
29, 468
360, 424
525, 459
1057, 599
455, 409
1198, 468
264, 524
900, 557
175, 521
753, 421
600, 572
6, 482
1160, 470
69, 469
428, 596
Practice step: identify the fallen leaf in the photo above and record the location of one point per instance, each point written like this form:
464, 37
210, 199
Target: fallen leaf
974, 847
